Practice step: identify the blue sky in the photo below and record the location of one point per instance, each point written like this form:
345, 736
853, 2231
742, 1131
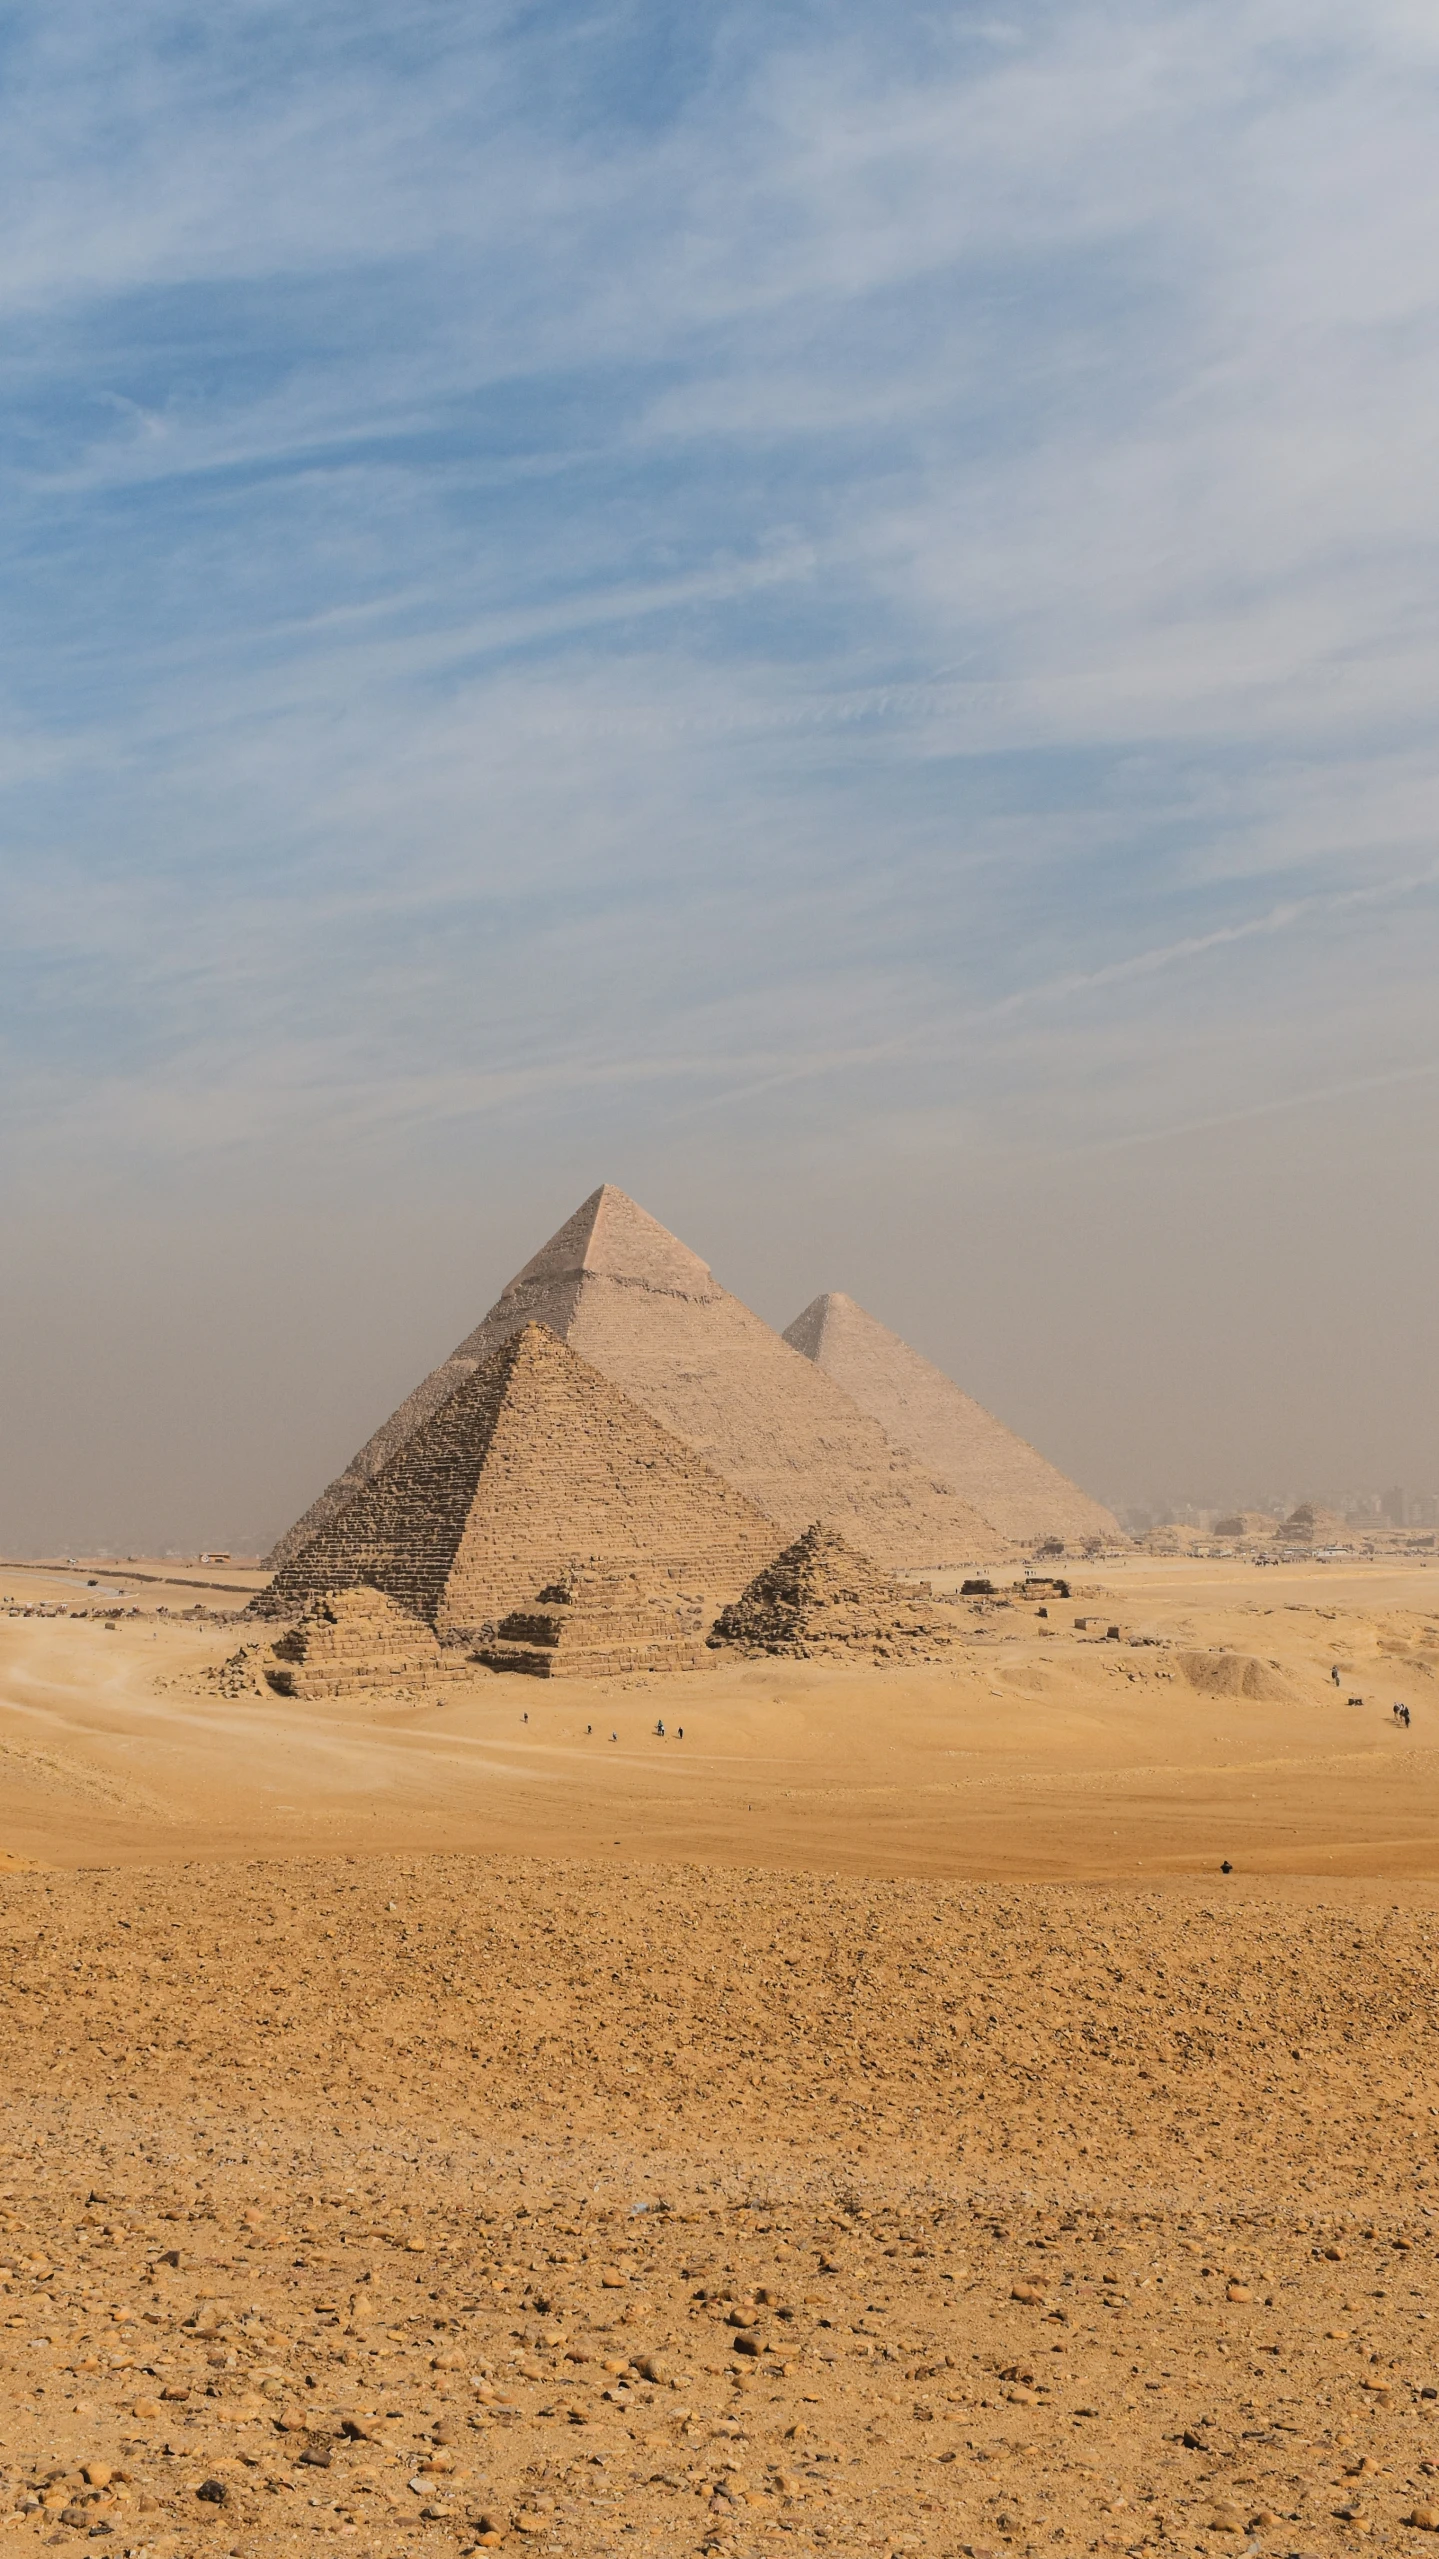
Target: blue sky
828, 613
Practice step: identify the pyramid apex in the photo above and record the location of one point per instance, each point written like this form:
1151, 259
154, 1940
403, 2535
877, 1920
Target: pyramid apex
806, 1333
813, 1332
533, 1336
611, 1237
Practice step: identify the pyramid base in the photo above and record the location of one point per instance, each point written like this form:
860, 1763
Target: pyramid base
407, 1676
539, 1661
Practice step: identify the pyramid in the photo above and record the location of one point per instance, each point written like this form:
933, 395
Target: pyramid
595, 1624
819, 1598
349, 1641
1252, 1524
533, 1468
647, 1312
1011, 1486
1311, 1525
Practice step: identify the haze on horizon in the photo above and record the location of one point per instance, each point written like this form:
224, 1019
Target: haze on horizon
825, 614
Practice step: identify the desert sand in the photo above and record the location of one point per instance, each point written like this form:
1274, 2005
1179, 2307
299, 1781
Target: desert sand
1212, 1728
873, 2122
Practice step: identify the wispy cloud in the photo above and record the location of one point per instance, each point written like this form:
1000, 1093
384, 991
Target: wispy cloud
1273, 1106
749, 577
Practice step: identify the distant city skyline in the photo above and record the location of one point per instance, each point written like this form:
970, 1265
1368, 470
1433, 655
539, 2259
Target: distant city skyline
1394, 1508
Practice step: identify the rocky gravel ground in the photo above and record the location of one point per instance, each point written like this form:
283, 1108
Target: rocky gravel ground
460, 2203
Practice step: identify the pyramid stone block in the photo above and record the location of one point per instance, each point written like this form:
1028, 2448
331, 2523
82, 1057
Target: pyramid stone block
819, 1599
532, 1469
649, 1314
920, 1409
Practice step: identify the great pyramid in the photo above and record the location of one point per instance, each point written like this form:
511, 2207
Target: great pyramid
533, 1468
820, 1599
1011, 1486
648, 1314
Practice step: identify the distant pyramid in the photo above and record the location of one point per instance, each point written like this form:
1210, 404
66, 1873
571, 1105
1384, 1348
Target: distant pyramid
1310, 1525
1011, 1486
646, 1312
533, 1470
820, 1599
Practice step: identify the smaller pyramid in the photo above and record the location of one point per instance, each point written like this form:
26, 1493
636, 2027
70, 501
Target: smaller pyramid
349, 1641
596, 1624
1261, 1525
1311, 1525
533, 1469
820, 1599
1015, 1490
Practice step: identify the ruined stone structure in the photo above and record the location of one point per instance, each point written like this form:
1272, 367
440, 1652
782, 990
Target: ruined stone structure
594, 1624
349, 1641
921, 1410
646, 1312
533, 1468
820, 1599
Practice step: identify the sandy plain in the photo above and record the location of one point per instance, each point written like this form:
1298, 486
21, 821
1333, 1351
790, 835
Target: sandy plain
872, 2123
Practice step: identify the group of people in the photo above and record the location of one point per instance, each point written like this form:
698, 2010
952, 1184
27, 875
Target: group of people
1399, 1710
